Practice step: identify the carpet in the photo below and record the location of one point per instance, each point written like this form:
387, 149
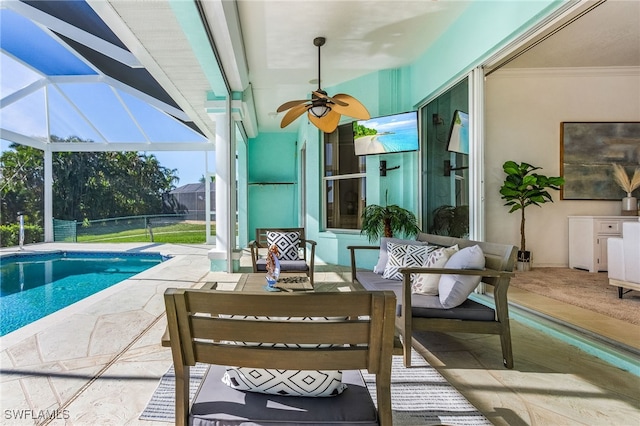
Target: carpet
420, 396
161, 407
585, 289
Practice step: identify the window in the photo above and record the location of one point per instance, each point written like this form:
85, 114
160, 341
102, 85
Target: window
445, 173
344, 180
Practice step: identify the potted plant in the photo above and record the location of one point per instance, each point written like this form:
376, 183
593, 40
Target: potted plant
451, 220
379, 221
522, 188
628, 185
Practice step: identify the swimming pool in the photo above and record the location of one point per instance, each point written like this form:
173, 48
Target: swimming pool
33, 286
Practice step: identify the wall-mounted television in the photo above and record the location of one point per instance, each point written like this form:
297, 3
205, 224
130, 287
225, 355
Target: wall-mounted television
387, 134
459, 133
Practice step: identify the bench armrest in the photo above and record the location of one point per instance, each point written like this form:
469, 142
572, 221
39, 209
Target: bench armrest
498, 279
352, 250
312, 256
253, 245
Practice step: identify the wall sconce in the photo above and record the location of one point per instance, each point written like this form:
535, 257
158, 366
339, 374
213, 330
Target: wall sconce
448, 168
383, 167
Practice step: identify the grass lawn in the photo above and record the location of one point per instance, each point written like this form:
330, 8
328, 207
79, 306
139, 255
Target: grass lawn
177, 233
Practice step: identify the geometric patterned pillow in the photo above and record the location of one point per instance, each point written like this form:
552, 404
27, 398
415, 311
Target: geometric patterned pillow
322, 383
403, 255
428, 283
288, 244
285, 382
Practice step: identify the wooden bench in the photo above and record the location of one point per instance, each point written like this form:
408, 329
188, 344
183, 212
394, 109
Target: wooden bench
470, 317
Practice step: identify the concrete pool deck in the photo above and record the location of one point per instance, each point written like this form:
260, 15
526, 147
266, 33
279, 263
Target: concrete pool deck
99, 361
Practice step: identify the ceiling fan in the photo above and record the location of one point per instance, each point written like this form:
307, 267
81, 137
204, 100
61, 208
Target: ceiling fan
323, 111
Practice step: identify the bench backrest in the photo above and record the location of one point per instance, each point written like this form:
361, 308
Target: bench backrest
500, 257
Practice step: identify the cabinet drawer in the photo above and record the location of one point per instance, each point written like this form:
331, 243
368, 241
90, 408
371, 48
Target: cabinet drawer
608, 227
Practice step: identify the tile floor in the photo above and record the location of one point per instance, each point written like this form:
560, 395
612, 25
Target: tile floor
98, 362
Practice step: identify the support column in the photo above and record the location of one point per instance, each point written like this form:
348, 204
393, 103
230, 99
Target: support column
223, 256
48, 195
222, 183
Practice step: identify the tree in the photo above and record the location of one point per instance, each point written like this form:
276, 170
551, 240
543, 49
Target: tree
86, 185
21, 184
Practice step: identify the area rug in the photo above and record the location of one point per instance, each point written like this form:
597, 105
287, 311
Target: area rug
419, 396
589, 290
161, 407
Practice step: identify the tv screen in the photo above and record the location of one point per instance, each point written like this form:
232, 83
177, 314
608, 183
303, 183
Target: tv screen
384, 135
459, 133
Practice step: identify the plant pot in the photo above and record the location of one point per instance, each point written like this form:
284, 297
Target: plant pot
524, 260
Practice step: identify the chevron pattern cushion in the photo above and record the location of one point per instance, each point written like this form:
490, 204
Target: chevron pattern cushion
404, 255
321, 383
288, 244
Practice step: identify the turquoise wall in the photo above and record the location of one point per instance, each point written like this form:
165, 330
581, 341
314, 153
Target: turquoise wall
480, 31
272, 180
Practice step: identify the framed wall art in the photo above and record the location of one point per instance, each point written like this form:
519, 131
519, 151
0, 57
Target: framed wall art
588, 151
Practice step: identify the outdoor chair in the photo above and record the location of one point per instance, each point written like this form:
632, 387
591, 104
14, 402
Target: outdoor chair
320, 333
291, 243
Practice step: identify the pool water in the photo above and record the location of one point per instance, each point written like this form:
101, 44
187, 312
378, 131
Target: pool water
34, 286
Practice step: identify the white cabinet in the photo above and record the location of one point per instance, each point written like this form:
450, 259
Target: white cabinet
588, 240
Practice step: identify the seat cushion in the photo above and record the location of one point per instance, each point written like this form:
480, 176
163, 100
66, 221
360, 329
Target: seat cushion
285, 265
217, 404
373, 281
426, 306
430, 307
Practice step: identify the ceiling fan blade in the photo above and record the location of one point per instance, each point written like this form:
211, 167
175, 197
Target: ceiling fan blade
353, 108
332, 99
285, 106
292, 114
328, 123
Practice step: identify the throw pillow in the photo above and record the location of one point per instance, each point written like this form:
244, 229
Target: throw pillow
383, 256
285, 382
404, 255
321, 383
428, 283
288, 244
454, 289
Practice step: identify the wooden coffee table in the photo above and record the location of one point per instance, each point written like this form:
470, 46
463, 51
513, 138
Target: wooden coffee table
256, 282
290, 281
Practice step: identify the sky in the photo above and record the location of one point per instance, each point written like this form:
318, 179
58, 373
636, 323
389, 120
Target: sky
190, 165
102, 117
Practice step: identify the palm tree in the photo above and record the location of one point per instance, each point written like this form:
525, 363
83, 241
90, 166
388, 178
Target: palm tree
379, 221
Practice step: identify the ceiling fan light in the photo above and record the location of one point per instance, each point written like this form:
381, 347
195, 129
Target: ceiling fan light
320, 110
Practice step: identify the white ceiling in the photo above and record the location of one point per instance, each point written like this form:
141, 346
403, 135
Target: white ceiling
362, 36
606, 36
365, 36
